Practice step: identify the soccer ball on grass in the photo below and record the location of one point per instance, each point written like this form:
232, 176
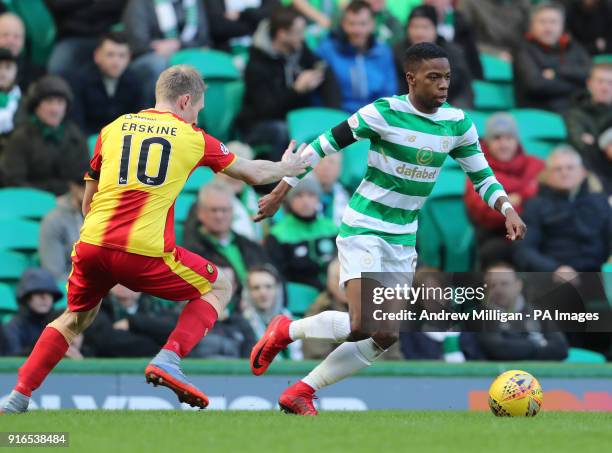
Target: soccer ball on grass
515, 393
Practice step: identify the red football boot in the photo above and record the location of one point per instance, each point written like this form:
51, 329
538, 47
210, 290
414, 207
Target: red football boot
297, 399
176, 381
274, 340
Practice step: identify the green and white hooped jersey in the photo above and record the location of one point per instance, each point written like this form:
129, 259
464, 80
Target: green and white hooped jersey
406, 155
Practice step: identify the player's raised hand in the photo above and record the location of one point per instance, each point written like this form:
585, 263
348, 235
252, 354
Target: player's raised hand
294, 162
268, 205
515, 227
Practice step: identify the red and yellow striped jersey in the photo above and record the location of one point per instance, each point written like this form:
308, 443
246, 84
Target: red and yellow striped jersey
142, 162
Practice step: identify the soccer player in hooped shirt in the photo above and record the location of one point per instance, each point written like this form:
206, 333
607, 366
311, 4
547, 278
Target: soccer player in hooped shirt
411, 136
140, 165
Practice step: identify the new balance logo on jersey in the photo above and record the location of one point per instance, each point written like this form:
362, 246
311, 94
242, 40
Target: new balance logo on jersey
416, 172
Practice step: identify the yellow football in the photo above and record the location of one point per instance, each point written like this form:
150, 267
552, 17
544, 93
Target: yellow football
515, 393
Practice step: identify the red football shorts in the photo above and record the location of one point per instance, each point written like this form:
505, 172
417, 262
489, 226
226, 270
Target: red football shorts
180, 275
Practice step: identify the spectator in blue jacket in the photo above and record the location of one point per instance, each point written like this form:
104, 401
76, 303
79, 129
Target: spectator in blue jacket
362, 65
569, 221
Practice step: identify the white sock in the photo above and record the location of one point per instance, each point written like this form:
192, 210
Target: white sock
333, 326
346, 360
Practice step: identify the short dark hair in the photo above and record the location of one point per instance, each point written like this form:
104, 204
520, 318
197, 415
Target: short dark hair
267, 268
282, 18
356, 6
543, 6
118, 37
423, 51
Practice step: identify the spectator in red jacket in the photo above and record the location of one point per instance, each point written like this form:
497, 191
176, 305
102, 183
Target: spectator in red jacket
515, 170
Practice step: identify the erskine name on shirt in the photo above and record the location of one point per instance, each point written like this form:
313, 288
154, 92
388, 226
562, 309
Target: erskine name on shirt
149, 129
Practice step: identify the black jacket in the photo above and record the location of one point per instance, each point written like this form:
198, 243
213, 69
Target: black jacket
22, 331
29, 159
93, 108
586, 117
562, 231
75, 18
148, 329
229, 338
141, 26
588, 25
460, 92
528, 339
571, 65
269, 78
222, 29
466, 40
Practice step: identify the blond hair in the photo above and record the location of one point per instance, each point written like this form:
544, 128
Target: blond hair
177, 81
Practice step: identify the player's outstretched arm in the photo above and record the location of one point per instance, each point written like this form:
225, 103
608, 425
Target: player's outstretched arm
257, 172
269, 204
332, 141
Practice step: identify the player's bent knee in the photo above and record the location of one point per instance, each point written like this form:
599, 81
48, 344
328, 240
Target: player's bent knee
385, 339
72, 323
222, 292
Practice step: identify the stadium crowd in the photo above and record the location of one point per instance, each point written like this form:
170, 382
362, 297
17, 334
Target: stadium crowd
106, 56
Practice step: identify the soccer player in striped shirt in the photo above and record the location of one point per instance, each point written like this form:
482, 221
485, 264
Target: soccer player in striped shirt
411, 136
140, 164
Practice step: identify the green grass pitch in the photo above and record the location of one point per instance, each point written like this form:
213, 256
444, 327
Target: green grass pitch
371, 431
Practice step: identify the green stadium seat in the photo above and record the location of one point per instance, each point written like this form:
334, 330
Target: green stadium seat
495, 69
479, 119
450, 183
537, 124
538, 148
12, 265
313, 37
491, 96
18, 234
91, 143
578, 355
224, 101
300, 297
198, 178
6, 317
40, 28
604, 58
308, 123
606, 274
8, 302
444, 244
451, 164
354, 164
182, 206
209, 63
23, 202
179, 230
224, 88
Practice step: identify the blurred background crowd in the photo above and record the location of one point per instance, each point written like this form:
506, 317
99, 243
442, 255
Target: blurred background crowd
535, 77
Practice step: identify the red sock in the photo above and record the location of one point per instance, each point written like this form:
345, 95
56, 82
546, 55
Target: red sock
193, 324
48, 351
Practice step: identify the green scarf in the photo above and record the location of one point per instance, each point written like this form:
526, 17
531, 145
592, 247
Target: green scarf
50, 134
168, 23
231, 252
